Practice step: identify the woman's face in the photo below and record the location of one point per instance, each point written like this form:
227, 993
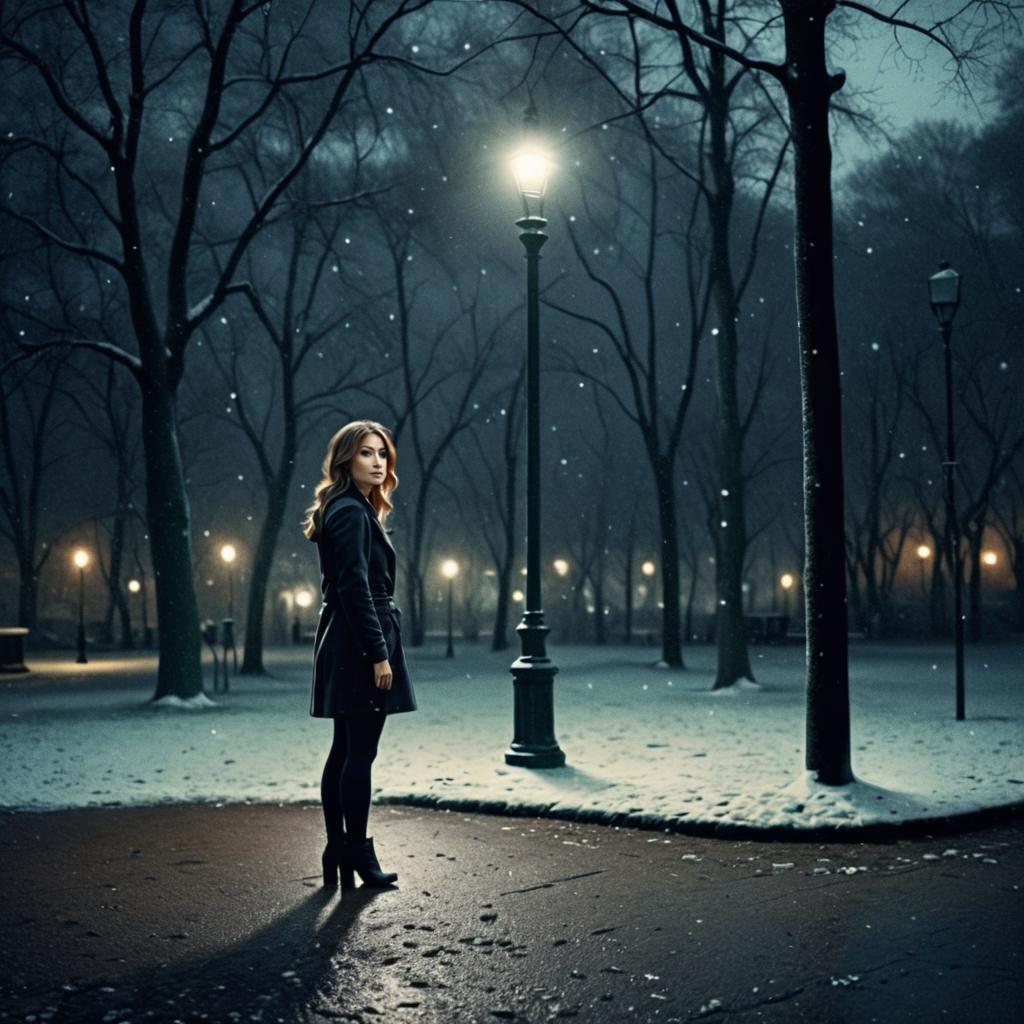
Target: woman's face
370, 462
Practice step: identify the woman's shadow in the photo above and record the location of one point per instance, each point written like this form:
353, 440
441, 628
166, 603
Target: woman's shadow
273, 974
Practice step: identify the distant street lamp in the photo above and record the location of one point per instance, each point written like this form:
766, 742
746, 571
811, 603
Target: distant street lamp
228, 555
990, 558
450, 569
303, 599
648, 568
944, 298
923, 554
134, 587
533, 744
81, 560
561, 566
787, 581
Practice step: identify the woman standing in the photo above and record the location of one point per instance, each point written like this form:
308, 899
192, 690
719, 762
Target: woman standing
359, 672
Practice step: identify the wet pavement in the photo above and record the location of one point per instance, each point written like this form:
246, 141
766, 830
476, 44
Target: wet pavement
215, 913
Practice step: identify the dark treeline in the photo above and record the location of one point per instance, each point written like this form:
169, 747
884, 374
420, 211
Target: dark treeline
224, 244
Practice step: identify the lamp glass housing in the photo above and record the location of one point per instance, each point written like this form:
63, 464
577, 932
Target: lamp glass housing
944, 294
532, 169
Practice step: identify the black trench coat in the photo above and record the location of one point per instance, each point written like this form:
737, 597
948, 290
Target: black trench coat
359, 621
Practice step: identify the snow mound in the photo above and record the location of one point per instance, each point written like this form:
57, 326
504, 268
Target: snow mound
196, 703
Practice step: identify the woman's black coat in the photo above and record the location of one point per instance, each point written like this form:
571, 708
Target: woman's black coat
359, 621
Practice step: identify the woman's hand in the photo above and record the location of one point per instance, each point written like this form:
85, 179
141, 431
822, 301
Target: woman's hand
382, 674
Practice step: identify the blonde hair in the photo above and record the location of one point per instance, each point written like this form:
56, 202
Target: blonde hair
337, 479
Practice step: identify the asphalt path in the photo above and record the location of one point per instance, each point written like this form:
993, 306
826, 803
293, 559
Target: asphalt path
216, 913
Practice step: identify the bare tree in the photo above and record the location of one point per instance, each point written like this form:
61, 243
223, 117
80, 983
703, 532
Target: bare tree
114, 92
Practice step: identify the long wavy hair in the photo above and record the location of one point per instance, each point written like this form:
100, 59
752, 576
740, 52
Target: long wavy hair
337, 478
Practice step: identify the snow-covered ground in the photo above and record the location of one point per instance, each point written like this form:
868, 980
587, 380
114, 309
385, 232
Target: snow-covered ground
643, 744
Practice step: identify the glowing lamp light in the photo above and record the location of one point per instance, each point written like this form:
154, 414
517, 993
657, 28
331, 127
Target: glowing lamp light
449, 568
561, 566
303, 598
787, 580
531, 166
134, 586
923, 551
517, 595
81, 558
989, 557
648, 568
228, 553
532, 169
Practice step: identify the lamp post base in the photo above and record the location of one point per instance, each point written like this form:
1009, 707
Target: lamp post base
534, 744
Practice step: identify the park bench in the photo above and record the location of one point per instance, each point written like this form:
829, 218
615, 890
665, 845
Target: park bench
12, 649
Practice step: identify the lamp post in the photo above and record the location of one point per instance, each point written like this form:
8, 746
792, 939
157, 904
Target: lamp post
228, 554
923, 554
450, 569
533, 744
787, 581
81, 560
303, 599
134, 587
944, 298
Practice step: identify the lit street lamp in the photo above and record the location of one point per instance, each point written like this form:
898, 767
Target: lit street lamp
787, 581
81, 560
450, 569
533, 744
303, 599
228, 555
923, 553
944, 298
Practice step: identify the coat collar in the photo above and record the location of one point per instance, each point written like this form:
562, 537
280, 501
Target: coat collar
354, 492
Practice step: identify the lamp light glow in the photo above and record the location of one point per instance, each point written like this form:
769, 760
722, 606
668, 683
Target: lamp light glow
228, 553
787, 580
561, 566
81, 558
923, 551
449, 568
648, 568
989, 557
134, 586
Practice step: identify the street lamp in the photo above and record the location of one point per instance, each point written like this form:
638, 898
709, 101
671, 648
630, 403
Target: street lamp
81, 560
944, 298
533, 744
561, 566
303, 599
450, 569
923, 553
228, 555
134, 587
787, 581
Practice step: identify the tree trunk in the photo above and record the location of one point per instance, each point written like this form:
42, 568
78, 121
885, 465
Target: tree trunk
809, 89
169, 519
730, 515
974, 627
262, 564
499, 640
28, 590
671, 652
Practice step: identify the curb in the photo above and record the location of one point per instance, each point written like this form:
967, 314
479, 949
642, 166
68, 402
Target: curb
875, 831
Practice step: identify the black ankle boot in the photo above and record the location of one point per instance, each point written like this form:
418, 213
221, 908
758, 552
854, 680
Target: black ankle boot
332, 859
361, 858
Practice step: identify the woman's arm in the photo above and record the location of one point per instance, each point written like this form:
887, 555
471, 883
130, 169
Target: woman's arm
346, 530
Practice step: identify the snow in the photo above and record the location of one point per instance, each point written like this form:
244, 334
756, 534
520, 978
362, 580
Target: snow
645, 744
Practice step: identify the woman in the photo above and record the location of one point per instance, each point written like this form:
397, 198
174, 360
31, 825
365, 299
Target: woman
359, 673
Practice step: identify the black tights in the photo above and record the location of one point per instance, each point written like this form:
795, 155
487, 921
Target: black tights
345, 785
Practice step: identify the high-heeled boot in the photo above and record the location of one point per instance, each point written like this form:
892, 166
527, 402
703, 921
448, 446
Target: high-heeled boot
332, 860
361, 858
